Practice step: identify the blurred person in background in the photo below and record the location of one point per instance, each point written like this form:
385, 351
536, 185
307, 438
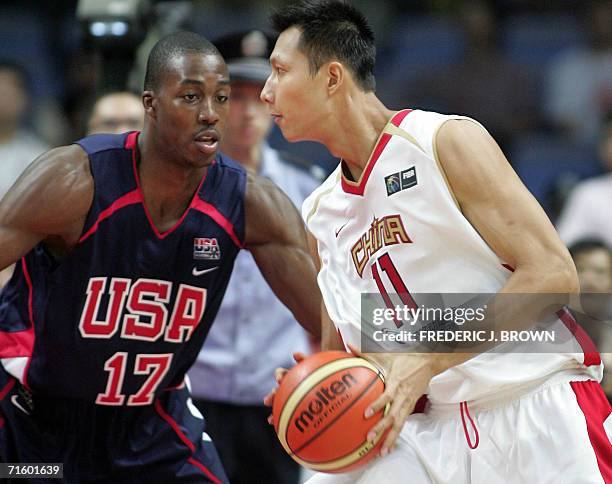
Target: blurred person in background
586, 211
579, 86
18, 145
116, 112
233, 372
593, 259
483, 84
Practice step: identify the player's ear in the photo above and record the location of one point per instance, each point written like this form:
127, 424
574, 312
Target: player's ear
148, 101
335, 76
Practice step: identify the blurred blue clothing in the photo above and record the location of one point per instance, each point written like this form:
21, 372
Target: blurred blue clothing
253, 333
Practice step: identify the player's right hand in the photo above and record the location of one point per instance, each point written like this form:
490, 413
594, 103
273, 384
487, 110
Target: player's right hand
279, 374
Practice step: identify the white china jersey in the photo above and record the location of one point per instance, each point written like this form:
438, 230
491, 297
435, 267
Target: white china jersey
399, 230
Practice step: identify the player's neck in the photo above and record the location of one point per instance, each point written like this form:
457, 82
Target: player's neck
167, 188
361, 120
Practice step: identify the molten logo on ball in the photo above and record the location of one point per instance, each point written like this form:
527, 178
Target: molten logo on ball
319, 411
324, 397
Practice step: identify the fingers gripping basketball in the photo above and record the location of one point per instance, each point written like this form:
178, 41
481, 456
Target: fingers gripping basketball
318, 411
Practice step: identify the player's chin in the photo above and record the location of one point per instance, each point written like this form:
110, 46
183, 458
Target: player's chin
291, 135
201, 160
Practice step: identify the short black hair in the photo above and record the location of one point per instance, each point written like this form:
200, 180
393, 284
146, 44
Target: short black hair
587, 245
332, 29
170, 46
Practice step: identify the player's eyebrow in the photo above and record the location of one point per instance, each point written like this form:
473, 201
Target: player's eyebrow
276, 59
191, 81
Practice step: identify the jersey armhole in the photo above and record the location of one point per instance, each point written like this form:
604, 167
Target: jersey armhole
437, 159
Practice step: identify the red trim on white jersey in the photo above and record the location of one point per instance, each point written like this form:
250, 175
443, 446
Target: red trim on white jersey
591, 355
357, 188
596, 410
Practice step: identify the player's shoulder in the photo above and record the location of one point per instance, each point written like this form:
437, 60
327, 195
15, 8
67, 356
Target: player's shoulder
53, 193
59, 161
97, 143
227, 176
422, 120
423, 126
224, 162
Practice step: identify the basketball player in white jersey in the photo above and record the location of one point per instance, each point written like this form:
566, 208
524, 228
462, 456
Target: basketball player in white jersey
457, 219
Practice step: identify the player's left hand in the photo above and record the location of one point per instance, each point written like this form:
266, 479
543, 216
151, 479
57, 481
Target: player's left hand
406, 380
279, 374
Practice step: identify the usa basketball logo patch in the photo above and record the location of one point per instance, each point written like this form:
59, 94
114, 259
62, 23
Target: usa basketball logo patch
206, 248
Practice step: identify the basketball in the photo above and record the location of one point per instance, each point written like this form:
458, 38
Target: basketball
319, 407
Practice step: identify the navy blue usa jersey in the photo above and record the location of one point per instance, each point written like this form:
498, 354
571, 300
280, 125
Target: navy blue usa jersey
123, 316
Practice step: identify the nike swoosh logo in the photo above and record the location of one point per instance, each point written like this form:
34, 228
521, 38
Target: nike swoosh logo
18, 405
338, 231
196, 272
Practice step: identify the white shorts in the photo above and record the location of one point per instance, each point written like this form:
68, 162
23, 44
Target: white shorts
560, 432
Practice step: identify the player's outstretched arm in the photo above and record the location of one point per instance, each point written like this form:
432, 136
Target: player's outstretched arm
276, 237
49, 201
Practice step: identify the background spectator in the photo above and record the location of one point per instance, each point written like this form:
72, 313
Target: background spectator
593, 261
579, 87
18, 145
116, 112
587, 210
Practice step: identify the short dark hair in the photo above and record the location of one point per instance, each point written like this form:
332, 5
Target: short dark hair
587, 245
173, 45
332, 29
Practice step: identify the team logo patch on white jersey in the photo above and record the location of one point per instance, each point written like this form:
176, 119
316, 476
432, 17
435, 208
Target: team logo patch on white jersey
206, 249
400, 181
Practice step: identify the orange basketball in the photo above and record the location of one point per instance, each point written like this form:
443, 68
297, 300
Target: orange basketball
318, 411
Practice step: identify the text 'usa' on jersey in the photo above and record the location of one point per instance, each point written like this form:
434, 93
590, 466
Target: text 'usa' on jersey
124, 315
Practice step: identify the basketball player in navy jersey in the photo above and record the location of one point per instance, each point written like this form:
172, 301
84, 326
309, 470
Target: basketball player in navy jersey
427, 203
124, 246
